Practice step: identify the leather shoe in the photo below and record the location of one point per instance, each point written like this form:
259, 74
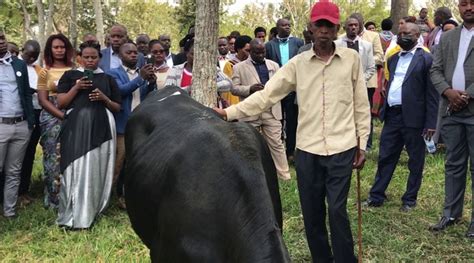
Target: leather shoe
406, 208
443, 223
371, 203
470, 231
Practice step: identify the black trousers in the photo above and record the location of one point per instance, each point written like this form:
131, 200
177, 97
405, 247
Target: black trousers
394, 136
27, 167
322, 178
290, 113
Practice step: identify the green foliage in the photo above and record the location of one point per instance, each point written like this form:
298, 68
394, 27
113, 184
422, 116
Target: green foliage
297, 11
11, 19
387, 234
150, 17
185, 15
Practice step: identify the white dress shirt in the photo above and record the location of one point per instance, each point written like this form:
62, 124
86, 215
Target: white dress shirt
132, 74
459, 79
169, 60
33, 79
395, 91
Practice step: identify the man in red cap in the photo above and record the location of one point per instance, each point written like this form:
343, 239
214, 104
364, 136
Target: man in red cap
333, 112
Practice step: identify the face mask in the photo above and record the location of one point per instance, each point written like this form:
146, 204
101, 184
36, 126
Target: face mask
406, 43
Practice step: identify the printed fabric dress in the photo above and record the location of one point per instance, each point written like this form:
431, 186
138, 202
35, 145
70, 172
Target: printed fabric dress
88, 141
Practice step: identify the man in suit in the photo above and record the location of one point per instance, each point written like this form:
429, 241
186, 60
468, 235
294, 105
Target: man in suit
17, 119
166, 43
281, 49
250, 76
452, 75
409, 114
374, 38
364, 48
110, 56
134, 84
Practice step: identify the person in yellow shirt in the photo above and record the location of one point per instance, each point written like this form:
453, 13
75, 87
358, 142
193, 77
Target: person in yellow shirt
333, 112
242, 48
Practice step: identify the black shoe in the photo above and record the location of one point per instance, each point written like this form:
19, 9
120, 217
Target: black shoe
407, 208
443, 223
470, 231
371, 203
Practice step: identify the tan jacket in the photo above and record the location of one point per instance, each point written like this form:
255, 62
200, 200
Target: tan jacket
244, 76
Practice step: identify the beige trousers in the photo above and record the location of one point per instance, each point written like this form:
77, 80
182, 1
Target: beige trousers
271, 131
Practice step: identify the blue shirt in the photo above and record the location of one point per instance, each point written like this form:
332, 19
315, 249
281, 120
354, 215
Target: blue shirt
262, 72
10, 103
395, 92
284, 50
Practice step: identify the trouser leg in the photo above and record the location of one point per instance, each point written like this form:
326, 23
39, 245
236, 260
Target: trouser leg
415, 147
311, 178
15, 152
338, 181
271, 130
391, 145
27, 167
454, 137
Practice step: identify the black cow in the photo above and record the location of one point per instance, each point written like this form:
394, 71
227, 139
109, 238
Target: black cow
198, 188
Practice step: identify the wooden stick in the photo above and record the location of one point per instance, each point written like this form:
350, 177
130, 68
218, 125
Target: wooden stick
359, 208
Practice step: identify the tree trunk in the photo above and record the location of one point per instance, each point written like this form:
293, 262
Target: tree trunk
27, 32
49, 21
73, 29
398, 11
205, 52
99, 21
41, 27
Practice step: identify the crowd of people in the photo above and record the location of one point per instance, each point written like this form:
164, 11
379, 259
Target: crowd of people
310, 98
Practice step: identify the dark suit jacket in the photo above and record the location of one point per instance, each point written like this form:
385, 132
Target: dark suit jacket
21, 74
104, 62
444, 63
127, 88
272, 48
419, 97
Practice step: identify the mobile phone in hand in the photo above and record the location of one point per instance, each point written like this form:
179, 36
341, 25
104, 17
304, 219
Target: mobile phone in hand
89, 74
150, 60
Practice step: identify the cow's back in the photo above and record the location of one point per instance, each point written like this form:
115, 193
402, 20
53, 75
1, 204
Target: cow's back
199, 189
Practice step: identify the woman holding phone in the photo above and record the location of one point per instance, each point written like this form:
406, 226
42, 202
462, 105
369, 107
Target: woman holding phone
88, 140
58, 54
158, 59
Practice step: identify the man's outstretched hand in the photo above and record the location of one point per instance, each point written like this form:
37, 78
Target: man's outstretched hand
221, 113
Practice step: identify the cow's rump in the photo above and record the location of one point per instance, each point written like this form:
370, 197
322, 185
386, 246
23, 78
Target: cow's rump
199, 189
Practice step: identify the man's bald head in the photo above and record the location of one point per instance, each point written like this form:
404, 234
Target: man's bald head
414, 28
257, 50
256, 42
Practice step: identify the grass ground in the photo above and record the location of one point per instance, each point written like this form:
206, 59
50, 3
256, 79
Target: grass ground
388, 235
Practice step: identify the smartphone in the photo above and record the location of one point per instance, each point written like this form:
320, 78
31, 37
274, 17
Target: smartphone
150, 60
89, 74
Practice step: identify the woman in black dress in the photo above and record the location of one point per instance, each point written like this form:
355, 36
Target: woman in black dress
87, 140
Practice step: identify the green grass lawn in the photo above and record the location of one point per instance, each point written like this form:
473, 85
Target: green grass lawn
388, 235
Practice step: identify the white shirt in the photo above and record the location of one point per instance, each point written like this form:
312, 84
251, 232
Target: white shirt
10, 102
459, 77
115, 60
395, 91
33, 79
132, 74
169, 60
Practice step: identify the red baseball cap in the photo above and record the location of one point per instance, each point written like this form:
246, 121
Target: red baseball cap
325, 10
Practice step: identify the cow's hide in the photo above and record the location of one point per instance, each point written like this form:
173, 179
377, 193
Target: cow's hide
198, 188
